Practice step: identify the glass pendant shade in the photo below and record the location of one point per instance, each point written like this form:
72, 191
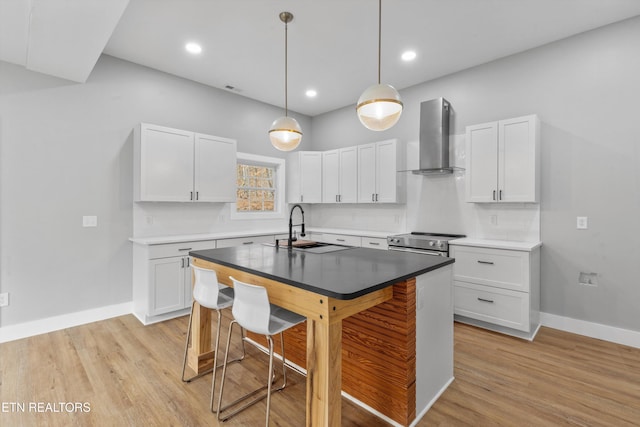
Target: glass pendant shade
285, 133
379, 107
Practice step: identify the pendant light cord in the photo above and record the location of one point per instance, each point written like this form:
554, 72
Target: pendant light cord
379, 36
286, 83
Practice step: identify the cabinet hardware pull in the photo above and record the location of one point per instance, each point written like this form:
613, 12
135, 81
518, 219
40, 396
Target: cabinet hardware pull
301, 198
485, 262
374, 243
500, 195
188, 262
340, 240
377, 197
247, 243
182, 263
336, 198
197, 195
340, 197
185, 249
485, 300
494, 194
373, 197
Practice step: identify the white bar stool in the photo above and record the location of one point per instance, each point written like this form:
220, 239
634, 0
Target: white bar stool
211, 294
253, 312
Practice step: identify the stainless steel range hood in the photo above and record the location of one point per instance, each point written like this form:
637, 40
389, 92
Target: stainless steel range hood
434, 138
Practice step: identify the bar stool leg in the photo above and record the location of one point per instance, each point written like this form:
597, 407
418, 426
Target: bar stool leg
224, 366
270, 378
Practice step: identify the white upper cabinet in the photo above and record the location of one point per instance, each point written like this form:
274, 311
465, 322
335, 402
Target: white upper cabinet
503, 161
173, 165
215, 169
378, 166
340, 175
304, 177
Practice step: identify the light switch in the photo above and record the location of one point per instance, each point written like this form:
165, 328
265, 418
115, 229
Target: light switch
89, 221
582, 223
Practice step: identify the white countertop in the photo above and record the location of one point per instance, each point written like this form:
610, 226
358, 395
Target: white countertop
160, 240
497, 244
179, 238
348, 232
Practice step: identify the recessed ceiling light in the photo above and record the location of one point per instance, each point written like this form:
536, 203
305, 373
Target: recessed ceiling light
409, 55
311, 93
193, 48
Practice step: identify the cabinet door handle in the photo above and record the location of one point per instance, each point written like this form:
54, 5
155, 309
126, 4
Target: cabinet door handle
336, 198
340, 197
490, 301
485, 262
181, 262
197, 195
184, 249
500, 195
374, 243
494, 195
188, 262
247, 243
373, 197
301, 198
340, 240
377, 197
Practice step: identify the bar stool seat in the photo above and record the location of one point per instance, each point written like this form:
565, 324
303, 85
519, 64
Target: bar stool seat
211, 294
253, 312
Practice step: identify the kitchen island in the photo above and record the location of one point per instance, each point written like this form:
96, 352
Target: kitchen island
379, 323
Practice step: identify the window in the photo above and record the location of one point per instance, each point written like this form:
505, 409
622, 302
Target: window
256, 188
260, 187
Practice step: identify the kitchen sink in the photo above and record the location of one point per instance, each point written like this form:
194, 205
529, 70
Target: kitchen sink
313, 247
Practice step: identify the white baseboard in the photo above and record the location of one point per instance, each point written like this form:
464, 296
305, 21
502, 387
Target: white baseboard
590, 329
55, 323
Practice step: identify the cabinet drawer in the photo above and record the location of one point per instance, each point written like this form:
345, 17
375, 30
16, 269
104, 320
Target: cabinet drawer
179, 249
497, 306
239, 241
492, 267
341, 239
375, 243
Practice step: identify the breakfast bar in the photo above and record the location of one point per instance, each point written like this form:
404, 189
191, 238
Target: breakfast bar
330, 287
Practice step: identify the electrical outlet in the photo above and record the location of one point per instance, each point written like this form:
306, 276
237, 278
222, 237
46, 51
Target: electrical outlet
4, 299
582, 223
588, 279
89, 221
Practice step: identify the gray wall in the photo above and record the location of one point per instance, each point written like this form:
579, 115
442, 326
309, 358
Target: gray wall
66, 151
585, 90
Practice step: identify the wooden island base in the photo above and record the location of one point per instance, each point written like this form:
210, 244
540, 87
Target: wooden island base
378, 354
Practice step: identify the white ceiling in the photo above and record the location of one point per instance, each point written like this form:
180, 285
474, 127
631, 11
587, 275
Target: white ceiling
332, 43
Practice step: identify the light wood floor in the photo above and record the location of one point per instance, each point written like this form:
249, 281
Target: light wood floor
127, 374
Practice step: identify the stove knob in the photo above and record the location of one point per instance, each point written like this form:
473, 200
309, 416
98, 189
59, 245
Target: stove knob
432, 243
440, 245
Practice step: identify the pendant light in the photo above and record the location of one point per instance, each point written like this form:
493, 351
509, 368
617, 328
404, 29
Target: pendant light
285, 133
379, 106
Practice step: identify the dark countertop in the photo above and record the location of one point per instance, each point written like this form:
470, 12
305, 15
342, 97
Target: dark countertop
345, 274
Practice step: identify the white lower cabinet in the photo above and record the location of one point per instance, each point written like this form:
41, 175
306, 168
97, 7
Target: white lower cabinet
162, 279
239, 241
497, 289
341, 239
375, 243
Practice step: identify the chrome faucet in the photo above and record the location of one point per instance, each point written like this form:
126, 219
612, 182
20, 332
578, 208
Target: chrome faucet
292, 236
